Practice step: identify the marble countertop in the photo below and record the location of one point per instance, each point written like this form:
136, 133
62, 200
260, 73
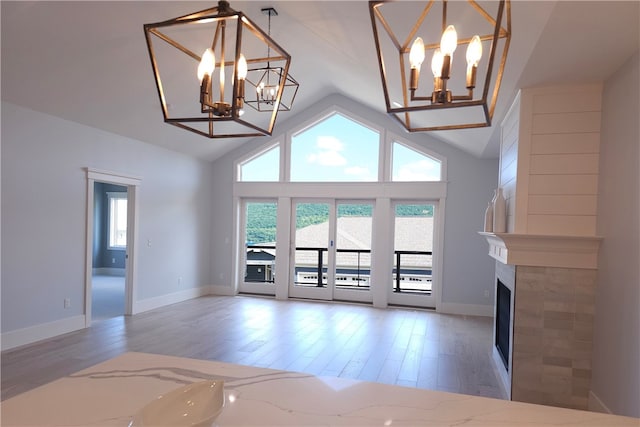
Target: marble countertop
110, 393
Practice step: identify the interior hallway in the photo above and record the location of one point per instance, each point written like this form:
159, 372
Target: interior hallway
107, 297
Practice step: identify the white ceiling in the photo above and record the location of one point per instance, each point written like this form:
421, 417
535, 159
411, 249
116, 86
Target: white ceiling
87, 61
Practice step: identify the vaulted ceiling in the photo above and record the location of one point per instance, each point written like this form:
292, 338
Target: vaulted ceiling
87, 62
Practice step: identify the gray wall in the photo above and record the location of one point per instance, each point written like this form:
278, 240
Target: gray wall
468, 270
616, 351
103, 257
44, 205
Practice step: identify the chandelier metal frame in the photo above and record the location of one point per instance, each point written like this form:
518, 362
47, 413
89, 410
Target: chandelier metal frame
227, 111
441, 98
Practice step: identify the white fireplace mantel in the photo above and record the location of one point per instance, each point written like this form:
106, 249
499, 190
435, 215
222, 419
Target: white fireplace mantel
544, 250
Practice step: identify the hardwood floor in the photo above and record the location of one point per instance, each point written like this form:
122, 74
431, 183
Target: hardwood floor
408, 347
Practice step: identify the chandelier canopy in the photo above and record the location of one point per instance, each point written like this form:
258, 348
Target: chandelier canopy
202, 63
445, 99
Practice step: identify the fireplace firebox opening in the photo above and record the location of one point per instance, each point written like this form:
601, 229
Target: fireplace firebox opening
503, 320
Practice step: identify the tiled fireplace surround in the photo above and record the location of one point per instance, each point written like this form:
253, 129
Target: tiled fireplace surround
552, 329
548, 255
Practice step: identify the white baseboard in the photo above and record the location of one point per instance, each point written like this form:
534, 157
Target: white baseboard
162, 300
596, 405
465, 309
43, 331
222, 290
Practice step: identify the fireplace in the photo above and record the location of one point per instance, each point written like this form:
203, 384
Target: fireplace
548, 254
503, 322
504, 318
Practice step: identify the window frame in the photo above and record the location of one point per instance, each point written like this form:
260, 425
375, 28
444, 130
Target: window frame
254, 154
326, 115
383, 192
395, 139
112, 197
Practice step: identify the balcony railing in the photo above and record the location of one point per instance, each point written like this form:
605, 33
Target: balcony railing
353, 270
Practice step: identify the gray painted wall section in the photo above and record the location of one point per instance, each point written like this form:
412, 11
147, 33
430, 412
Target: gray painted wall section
468, 270
44, 205
616, 349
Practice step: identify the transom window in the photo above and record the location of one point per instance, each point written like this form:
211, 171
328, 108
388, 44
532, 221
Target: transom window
264, 167
337, 148
410, 165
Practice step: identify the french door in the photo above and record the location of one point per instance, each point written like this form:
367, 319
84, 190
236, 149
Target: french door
258, 255
413, 254
331, 250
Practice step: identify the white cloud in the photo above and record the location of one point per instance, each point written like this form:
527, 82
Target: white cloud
328, 158
330, 143
423, 170
329, 152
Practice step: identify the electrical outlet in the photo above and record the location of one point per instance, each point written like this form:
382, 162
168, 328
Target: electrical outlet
179, 280
67, 302
486, 294
113, 260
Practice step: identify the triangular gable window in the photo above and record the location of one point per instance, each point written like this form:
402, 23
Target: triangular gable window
411, 165
264, 167
335, 149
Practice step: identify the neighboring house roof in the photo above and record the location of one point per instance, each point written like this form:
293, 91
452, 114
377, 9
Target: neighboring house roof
411, 234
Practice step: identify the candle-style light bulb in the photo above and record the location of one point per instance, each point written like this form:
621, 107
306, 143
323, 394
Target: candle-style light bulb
436, 69
474, 53
416, 56
242, 71
449, 41
242, 68
207, 64
436, 63
448, 44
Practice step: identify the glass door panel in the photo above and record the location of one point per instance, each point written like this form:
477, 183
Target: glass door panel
412, 274
312, 250
259, 230
353, 251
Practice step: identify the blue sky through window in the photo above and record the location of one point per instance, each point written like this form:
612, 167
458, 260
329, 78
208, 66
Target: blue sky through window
264, 168
336, 149
409, 165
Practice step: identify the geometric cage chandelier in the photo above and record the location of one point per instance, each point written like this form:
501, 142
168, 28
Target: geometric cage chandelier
201, 62
262, 82
467, 48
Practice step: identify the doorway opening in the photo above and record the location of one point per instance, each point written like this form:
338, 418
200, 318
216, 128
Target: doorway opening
109, 250
110, 245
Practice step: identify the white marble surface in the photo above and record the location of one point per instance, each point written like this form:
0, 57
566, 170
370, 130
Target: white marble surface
110, 393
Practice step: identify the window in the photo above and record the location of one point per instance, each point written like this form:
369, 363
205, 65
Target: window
320, 184
336, 149
263, 167
117, 220
410, 165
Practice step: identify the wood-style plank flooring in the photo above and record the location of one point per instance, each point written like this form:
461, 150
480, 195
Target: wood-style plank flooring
408, 347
